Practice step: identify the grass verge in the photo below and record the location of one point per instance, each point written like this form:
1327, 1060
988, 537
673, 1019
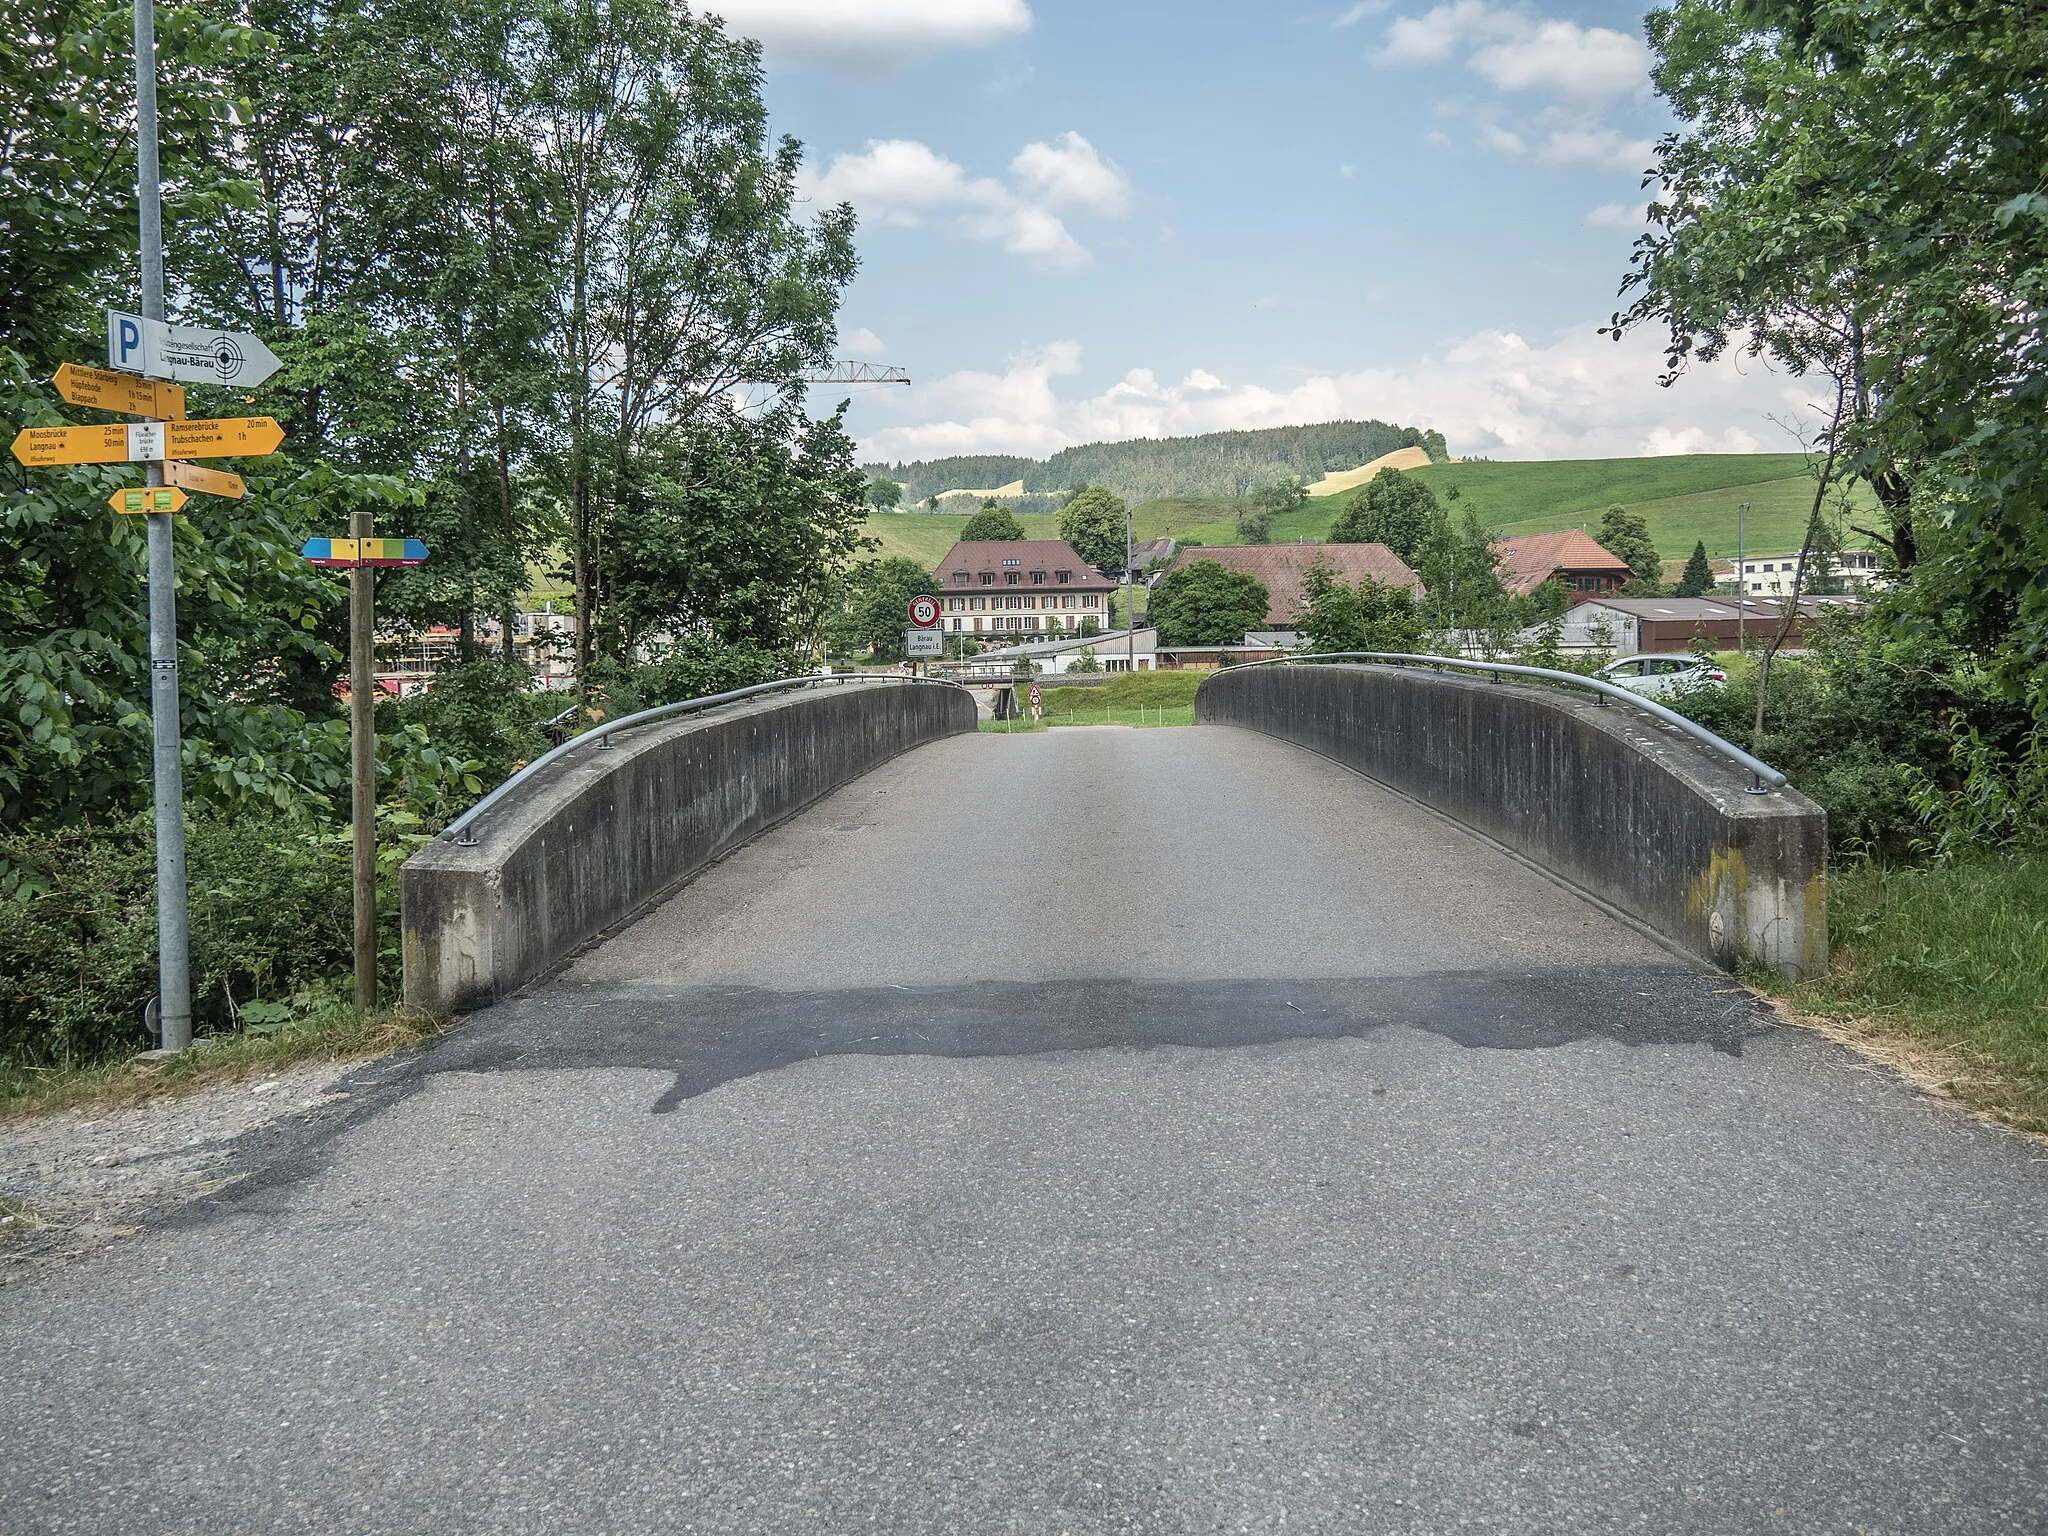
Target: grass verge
1941, 971
332, 1034
17, 1219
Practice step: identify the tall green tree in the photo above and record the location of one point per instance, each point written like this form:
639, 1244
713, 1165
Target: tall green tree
1371, 616
993, 521
876, 607
1625, 534
1206, 603
1698, 577
1395, 510
1093, 523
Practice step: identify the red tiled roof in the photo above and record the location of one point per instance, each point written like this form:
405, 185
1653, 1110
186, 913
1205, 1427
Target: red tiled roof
1528, 560
997, 555
1284, 568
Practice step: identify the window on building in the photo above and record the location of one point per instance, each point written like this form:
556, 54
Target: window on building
962, 579
955, 624
1012, 578
1062, 577
1038, 578
988, 578
1088, 600
1031, 623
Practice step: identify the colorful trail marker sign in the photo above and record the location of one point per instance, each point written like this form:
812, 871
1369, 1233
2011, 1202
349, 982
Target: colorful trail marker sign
141, 441
148, 498
102, 390
364, 552
232, 437
209, 482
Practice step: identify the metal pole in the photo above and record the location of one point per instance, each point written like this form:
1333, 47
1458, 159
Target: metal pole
174, 972
362, 745
1130, 602
1741, 585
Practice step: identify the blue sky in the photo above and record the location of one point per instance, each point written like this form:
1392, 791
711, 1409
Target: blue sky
1083, 221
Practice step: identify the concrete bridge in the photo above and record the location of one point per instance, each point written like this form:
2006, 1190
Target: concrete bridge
1329, 1117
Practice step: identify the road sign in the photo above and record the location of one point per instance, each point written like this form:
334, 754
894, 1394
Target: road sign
364, 552
104, 391
140, 441
924, 611
41, 447
231, 437
211, 482
197, 354
1036, 698
148, 498
924, 642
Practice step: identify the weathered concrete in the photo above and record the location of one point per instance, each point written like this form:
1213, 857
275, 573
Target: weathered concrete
587, 845
1606, 797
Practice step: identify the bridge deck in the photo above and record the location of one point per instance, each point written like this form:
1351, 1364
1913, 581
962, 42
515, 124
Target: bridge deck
1102, 1130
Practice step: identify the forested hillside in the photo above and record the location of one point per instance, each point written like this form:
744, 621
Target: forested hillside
1144, 469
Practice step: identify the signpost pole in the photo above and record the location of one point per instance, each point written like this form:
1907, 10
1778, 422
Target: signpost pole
1741, 586
1130, 603
174, 983
362, 742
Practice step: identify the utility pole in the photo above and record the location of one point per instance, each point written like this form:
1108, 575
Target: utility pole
1741, 586
1130, 602
362, 751
174, 975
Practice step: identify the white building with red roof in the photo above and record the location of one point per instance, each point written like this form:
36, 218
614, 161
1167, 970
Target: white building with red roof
1020, 587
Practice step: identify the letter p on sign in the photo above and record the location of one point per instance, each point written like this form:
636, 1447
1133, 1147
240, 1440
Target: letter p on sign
124, 342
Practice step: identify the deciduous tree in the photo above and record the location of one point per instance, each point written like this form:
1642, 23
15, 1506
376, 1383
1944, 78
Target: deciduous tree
1206, 603
1093, 523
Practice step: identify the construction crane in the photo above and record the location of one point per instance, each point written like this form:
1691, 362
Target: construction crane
855, 373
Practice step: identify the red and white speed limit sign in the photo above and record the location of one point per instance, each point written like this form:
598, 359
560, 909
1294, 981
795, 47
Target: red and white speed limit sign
924, 611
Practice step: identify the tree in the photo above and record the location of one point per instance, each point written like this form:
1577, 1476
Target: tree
993, 521
1369, 617
883, 495
1394, 510
1207, 603
1698, 579
1093, 523
1255, 521
1086, 661
877, 606
1626, 535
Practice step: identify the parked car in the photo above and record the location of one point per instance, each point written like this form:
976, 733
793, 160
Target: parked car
1660, 676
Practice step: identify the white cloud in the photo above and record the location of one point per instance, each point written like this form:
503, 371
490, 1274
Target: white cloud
1069, 174
868, 37
1519, 51
1360, 11
1566, 59
1506, 140
1491, 394
862, 343
1619, 216
1598, 146
903, 182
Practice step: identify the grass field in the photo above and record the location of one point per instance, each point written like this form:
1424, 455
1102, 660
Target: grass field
1684, 498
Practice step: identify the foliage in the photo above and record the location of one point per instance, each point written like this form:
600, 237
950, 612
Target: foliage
1206, 603
1988, 800
1856, 191
1393, 510
1145, 469
485, 712
1086, 661
690, 668
883, 494
1369, 617
1093, 523
993, 521
1625, 535
1263, 506
876, 607
1698, 577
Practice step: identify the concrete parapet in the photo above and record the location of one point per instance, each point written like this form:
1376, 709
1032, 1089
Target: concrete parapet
1606, 797
606, 831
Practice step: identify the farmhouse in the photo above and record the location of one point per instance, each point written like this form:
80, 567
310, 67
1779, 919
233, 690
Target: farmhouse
1526, 561
1283, 570
1020, 587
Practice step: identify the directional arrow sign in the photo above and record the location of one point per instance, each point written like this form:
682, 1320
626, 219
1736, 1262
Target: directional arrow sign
148, 498
40, 447
195, 353
104, 391
232, 437
212, 482
363, 552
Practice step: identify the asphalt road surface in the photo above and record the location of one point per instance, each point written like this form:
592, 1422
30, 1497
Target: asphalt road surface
1105, 1130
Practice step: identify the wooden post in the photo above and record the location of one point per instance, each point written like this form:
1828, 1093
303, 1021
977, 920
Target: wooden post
362, 741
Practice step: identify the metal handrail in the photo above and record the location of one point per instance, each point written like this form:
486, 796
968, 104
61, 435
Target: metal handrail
1765, 776
458, 830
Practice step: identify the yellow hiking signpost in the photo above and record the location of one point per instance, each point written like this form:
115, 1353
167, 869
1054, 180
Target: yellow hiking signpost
210, 482
148, 498
101, 389
144, 442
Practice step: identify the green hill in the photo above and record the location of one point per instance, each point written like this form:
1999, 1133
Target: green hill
1683, 498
